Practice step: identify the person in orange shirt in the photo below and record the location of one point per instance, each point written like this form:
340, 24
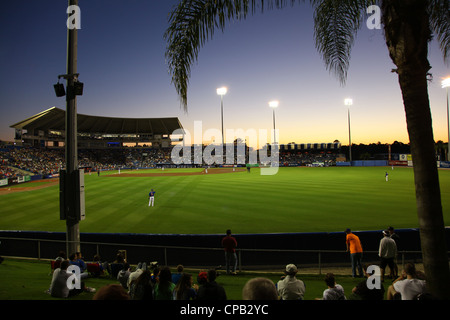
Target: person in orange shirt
355, 248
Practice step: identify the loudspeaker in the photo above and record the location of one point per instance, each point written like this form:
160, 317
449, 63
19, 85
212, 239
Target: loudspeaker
59, 90
78, 88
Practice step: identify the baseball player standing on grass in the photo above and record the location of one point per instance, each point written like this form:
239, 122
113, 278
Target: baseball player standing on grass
151, 198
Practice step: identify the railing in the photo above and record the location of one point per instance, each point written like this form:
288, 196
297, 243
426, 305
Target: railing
313, 260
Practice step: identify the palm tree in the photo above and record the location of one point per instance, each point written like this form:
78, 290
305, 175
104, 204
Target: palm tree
409, 25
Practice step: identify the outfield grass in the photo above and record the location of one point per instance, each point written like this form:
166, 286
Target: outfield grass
294, 200
29, 280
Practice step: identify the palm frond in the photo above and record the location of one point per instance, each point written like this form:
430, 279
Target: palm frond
193, 22
440, 23
336, 23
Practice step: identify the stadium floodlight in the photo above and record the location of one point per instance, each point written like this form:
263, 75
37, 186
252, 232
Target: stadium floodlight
349, 102
274, 104
221, 92
446, 85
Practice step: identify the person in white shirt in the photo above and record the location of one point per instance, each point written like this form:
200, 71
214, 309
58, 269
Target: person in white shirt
387, 252
291, 288
335, 291
59, 287
408, 285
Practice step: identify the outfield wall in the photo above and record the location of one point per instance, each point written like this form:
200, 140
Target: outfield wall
205, 250
363, 163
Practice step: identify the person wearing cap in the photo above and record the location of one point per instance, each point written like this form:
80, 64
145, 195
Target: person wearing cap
289, 287
355, 248
209, 289
387, 252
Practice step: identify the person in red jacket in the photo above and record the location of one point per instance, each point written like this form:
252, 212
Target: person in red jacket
229, 244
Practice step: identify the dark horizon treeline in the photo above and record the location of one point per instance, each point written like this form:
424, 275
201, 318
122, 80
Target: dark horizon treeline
380, 151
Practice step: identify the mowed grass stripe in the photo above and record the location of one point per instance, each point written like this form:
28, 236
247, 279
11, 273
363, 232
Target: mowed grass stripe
116, 204
128, 198
294, 200
29, 210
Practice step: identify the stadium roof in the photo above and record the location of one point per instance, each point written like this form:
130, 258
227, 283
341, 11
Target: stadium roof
54, 119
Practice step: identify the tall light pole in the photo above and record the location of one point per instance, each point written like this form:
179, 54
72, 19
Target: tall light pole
71, 179
349, 102
446, 85
221, 92
274, 104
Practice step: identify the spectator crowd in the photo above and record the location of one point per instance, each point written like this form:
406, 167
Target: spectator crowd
19, 161
154, 282
16, 161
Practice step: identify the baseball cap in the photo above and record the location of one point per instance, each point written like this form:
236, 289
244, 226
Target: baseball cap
291, 268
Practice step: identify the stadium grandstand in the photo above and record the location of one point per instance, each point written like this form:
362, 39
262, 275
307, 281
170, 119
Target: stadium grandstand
103, 143
47, 129
311, 154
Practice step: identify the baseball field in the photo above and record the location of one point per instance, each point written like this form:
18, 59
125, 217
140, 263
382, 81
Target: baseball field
190, 201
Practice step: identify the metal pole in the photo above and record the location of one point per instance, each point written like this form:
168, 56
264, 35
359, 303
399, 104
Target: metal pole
448, 129
320, 263
165, 256
240, 260
349, 137
221, 109
274, 132
72, 222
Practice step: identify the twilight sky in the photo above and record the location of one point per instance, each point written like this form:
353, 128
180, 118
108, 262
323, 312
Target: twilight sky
268, 56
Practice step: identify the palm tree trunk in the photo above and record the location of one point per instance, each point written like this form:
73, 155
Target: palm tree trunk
407, 34
428, 195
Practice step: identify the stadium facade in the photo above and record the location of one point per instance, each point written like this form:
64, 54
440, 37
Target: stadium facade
47, 129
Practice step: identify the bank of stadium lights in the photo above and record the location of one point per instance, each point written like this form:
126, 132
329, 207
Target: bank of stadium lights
274, 104
445, 85
221, 92
349, 102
